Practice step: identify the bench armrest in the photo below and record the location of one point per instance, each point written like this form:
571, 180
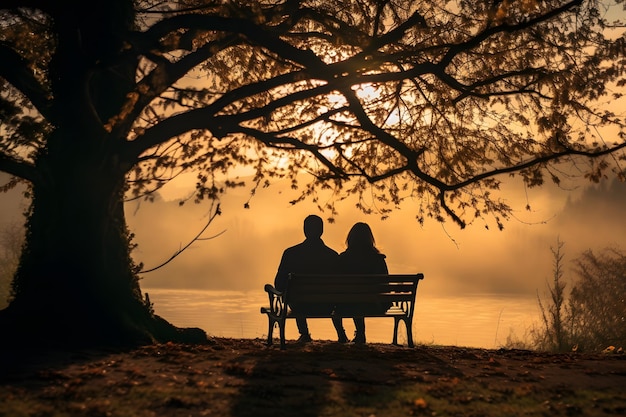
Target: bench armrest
269, 288
277, 306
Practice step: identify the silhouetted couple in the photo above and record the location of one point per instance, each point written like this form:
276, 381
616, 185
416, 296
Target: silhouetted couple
313, 257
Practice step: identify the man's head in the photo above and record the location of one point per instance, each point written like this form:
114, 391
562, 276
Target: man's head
313, 226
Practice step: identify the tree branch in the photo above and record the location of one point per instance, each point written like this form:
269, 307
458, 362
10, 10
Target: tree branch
532, 163
255, 35
493, 30
272, 140
15, 70
162, 78
15, 4
18, 168
203, 118
196, 238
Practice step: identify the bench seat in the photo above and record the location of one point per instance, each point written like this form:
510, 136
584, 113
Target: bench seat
358, 291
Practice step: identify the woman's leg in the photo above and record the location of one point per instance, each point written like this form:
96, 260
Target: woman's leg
341, 333
359, 336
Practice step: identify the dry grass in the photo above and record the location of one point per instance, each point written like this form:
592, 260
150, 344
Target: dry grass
241, 378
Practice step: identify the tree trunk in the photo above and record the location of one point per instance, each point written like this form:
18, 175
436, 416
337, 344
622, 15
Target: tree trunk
76, 283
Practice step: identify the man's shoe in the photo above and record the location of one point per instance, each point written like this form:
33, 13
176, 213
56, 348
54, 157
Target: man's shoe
359, 338
304, 338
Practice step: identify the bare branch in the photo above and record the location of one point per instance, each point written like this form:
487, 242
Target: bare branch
196, 238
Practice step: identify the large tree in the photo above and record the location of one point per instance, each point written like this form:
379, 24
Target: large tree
424, 100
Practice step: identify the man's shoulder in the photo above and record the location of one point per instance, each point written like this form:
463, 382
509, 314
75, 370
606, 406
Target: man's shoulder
295, 248
325, 250
296, 251
308, 249
331, 250
353, 254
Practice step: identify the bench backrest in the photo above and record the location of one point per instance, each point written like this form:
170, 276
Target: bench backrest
340, 288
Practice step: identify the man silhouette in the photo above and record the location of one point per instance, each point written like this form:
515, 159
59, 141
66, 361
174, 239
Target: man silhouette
309, 257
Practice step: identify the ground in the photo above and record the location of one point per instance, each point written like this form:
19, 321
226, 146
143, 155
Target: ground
244, 377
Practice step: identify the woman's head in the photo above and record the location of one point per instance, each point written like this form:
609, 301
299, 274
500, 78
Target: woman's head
360, 237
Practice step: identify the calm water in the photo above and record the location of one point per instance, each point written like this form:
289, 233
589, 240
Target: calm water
477, 321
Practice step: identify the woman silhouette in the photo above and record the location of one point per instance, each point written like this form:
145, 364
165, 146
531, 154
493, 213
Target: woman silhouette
361, 257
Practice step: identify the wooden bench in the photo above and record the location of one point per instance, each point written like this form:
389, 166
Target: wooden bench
399, 291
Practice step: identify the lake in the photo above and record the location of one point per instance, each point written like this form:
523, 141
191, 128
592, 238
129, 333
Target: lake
483, 321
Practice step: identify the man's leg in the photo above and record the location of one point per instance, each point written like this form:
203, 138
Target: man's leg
303, 329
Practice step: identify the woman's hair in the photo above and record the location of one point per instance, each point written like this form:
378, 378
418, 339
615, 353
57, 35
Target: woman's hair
361, 238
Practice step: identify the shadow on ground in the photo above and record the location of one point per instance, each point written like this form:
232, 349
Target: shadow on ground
323, 378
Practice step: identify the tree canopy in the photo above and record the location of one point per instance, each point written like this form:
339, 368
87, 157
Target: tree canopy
427, 100
431, 101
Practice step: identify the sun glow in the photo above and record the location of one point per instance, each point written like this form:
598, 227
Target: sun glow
366, 91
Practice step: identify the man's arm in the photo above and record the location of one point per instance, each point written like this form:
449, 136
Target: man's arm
282, 275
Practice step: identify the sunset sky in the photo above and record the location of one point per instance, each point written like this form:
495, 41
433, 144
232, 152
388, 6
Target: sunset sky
505, 269
454, 261
393, 102
476, 259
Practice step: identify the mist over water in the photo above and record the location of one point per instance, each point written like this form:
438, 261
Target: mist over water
479, 284
480, 320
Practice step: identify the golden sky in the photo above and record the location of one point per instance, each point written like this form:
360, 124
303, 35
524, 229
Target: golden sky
245, 257
514, 261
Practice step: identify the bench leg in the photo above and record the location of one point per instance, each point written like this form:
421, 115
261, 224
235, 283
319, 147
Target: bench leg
396, 322
270, 331
282, 334
409, 333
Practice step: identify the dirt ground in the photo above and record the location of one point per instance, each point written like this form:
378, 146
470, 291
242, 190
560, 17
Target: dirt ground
229, 377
